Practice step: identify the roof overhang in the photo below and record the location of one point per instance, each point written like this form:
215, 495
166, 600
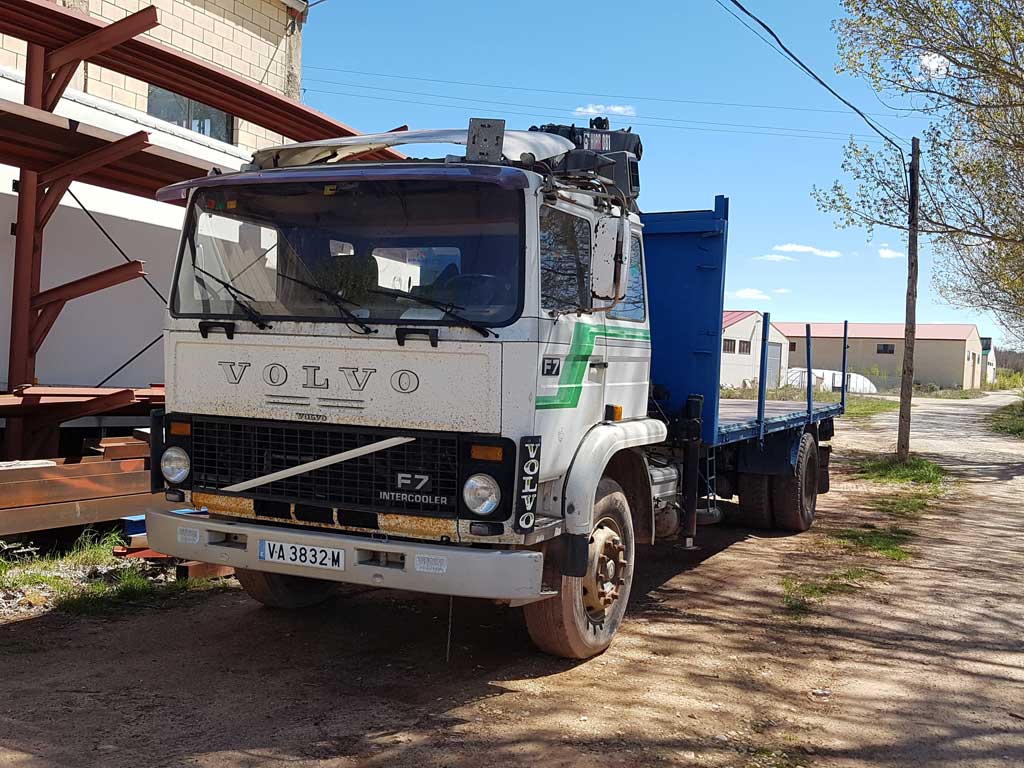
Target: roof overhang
37, 140
44, 23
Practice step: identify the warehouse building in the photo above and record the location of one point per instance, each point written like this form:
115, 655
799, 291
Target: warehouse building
741, 350
947, 355
988, 360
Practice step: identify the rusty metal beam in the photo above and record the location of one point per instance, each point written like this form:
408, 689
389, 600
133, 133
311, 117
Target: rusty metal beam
44, 322
97, 158
58, 414
83, 286
44, 516
102, 39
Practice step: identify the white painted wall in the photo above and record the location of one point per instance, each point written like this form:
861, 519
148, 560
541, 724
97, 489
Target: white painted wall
95, 334
742, 370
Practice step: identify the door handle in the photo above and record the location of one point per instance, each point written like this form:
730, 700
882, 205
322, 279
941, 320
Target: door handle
599, 364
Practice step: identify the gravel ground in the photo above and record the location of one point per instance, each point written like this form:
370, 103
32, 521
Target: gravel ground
922, 664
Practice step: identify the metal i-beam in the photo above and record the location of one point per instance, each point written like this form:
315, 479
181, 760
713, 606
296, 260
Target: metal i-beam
99, 157
83, 286
60, 64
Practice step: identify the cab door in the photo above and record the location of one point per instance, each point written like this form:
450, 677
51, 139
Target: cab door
573, 362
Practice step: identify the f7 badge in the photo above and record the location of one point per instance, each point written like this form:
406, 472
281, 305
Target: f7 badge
527, 481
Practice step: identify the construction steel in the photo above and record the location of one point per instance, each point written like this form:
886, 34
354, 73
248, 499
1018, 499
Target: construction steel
52, 152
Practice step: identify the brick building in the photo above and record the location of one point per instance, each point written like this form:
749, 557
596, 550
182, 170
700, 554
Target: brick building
257, 39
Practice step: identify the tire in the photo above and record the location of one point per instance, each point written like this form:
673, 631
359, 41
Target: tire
755, 507
280, 590
795, 497
578, 624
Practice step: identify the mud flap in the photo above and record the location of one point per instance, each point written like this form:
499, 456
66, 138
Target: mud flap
824, 454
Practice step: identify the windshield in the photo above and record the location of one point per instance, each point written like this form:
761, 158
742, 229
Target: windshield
394, 251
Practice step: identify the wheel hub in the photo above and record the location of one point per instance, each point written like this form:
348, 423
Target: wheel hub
606, 565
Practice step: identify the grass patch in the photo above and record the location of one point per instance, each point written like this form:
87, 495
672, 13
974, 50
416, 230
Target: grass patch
857, 406
886, 469
129, 591
1009, 420
887, 543
952, 394
908, 506
799, 597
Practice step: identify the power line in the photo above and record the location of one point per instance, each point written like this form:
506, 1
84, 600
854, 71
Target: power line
582, 94
573, 112
871, 123
782, 132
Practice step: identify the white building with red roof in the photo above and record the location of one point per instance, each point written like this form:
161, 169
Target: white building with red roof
948, 355
741, 350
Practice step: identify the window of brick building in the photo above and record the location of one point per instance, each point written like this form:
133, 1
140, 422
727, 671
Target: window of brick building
191, 114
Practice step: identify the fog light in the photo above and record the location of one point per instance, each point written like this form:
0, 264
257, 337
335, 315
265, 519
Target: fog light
175, 465
481, 494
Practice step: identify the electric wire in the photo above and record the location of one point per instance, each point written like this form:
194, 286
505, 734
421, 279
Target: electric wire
114, 243
582, 94
535, 115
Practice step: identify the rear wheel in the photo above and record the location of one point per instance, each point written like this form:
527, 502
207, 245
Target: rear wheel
280, 590
755, 507
582, 620
795, 497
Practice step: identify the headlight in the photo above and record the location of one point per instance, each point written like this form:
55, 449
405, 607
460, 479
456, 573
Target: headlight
481, 494
175, 465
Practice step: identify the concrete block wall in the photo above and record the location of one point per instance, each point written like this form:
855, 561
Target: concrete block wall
247, 37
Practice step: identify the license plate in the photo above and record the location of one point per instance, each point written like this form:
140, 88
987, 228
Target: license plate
302, 554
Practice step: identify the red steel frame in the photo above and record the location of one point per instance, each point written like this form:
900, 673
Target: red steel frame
58, 40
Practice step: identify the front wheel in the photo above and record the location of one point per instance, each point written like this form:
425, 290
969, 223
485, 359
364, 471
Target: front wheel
281, 590
583, 619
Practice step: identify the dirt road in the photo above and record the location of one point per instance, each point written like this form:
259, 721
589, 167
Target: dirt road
923, 666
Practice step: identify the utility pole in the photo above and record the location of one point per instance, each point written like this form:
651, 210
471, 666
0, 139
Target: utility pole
910, 329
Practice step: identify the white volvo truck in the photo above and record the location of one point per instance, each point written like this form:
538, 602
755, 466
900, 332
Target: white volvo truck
437, 375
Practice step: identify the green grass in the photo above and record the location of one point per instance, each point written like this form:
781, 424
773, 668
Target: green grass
129, 591
953, 394
1009, 420
885, 468
857, 406
799, 597
887, 543
907, 506
63, 577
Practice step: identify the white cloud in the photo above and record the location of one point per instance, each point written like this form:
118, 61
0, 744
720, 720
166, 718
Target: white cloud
888, 253
752, 293
774, 257
782, 290
934, 64
797, 248
623, 110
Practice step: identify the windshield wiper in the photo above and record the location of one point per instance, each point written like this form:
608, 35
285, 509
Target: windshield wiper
236, 293
336, 300
447, 307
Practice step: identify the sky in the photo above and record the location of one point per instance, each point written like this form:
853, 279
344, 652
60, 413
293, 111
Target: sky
719, 112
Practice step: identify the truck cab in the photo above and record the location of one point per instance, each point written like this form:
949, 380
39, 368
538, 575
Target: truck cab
384, 373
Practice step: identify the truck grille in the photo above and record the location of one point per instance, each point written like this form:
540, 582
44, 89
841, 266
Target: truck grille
229, 451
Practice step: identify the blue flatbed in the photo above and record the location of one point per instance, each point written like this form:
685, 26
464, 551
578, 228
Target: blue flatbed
737, 419
685, 255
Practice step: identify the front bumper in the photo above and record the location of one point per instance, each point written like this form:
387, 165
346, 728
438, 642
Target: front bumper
488, 573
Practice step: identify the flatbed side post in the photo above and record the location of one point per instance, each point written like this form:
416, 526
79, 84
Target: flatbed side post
810, 374
842, 393
762, 377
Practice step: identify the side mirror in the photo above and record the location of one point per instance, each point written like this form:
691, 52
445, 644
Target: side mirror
610, 262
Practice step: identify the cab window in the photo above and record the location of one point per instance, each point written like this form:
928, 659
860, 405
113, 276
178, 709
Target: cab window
632, 305
565, 244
